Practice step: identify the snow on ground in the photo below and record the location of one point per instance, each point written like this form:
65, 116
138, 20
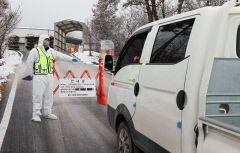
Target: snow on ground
8, 65
85, 58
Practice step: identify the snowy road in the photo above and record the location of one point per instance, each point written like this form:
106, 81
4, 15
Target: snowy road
82, 126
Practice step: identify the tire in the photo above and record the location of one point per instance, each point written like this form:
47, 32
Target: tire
124, 139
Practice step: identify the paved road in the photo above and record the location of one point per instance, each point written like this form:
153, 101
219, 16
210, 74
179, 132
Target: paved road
82, 126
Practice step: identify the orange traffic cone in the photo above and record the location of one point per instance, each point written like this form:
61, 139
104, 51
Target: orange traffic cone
70, 48
101, 98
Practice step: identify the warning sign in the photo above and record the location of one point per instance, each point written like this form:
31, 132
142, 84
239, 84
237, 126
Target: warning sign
77, 88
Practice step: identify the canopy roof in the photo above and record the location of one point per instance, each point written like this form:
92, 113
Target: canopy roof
70, 25
61, 29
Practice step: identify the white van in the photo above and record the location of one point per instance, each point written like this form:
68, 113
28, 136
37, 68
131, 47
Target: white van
169, 92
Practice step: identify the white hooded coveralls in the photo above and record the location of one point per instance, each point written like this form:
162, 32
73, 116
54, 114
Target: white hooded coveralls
43, 84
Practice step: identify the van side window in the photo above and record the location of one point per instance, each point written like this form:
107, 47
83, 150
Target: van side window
171, 42
132, 51
238, 42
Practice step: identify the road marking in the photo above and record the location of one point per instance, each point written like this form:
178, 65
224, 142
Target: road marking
8, 110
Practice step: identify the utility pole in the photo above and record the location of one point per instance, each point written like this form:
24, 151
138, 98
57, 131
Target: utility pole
89, 37
90, 45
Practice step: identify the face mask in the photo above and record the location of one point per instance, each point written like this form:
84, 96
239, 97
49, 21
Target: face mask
46, 44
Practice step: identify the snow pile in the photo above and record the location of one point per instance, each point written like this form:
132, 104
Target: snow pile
85, 58
8, 64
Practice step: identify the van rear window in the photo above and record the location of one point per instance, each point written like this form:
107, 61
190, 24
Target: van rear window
238, 42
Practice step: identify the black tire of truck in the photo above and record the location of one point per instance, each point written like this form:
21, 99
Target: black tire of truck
124, 139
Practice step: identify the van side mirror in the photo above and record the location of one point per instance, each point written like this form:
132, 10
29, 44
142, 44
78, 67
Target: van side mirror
108, 62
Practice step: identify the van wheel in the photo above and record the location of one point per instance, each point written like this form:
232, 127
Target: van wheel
124, 140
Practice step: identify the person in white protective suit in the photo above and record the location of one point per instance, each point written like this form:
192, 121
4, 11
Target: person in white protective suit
40, 67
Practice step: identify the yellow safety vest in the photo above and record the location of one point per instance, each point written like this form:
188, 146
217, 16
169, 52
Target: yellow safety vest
45, 64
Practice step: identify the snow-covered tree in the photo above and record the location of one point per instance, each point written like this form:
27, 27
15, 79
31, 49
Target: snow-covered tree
104, 17
105, 24
150, 7
8, 20
110, 22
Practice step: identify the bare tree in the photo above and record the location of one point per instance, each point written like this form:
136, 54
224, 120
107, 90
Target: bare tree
154, 10
180, 4
149, 11
104, 18
162, 5
88, 34
135, 13
126, 23
190, 5
132, 18
151, 8
106, 25
8, 21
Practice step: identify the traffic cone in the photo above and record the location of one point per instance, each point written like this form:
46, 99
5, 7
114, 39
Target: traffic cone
101, 98
70, 48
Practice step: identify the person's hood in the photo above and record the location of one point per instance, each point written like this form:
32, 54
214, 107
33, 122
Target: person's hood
42, 38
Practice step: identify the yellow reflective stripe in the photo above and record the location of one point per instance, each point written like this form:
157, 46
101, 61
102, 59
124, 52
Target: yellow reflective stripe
50, 60
41, 67
45, 63
39, 51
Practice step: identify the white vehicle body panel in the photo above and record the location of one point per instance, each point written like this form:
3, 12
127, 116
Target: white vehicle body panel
156, 114
122, 92
156, 106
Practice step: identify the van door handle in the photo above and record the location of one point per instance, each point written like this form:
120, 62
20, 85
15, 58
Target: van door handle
136, 89
181, 99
